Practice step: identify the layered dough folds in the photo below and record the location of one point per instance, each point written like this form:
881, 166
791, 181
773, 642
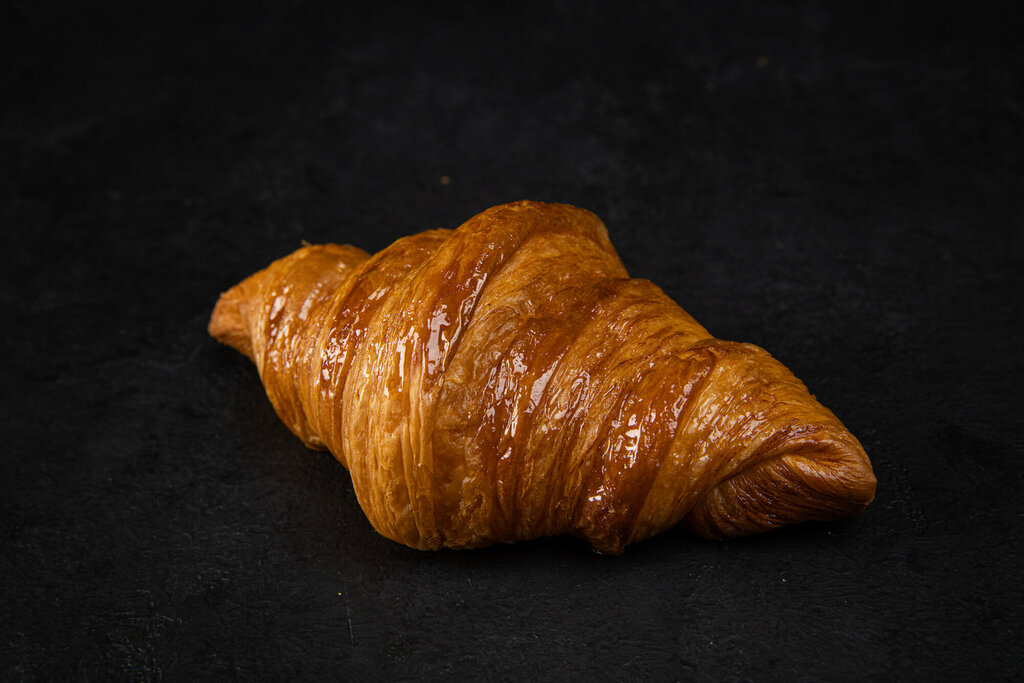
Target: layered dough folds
508, 380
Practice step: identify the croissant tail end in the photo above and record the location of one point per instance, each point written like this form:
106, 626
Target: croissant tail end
229, 323
808, 480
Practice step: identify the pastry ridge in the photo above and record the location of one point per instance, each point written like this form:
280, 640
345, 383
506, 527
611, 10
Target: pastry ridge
508, 380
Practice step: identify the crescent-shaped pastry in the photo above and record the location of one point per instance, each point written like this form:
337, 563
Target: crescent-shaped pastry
508, 380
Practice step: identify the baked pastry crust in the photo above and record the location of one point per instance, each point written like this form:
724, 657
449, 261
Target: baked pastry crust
508, 380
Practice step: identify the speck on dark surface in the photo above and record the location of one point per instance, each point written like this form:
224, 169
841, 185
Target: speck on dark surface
840, 185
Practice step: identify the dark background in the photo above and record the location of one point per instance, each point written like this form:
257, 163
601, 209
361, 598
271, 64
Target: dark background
840, 185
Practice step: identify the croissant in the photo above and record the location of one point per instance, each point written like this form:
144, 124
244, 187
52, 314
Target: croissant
508, 380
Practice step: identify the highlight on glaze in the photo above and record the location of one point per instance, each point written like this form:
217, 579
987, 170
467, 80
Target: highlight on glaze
508, 380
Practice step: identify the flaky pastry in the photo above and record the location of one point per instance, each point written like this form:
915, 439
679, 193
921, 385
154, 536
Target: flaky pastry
508, 380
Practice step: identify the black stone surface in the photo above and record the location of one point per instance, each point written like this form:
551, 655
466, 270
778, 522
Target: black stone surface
840, 185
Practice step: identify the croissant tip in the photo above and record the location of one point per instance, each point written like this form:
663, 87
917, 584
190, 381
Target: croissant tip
228, 323
824, 477
851, 476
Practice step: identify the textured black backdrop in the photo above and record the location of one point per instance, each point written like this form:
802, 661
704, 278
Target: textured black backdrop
843, 187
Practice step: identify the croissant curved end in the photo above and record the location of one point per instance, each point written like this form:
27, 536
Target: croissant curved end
228, 321
821, 475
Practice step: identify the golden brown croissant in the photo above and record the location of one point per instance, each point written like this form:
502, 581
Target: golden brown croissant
508, 380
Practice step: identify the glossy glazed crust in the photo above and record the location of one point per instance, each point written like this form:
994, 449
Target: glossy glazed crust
508, 380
